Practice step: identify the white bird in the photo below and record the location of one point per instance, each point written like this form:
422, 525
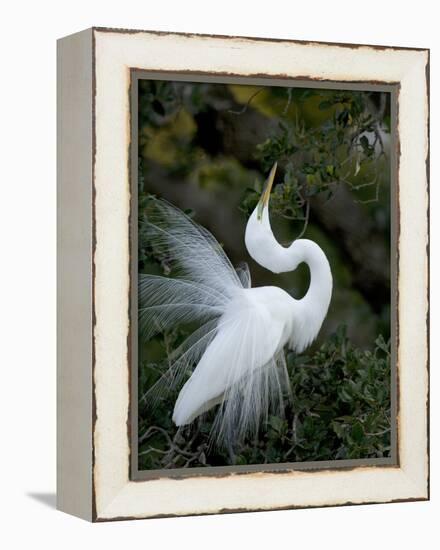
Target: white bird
238, 349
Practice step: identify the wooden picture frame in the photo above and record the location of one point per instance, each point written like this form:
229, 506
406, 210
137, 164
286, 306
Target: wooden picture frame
98, 70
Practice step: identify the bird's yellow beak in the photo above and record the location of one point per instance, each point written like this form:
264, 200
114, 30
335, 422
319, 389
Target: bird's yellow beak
266, 191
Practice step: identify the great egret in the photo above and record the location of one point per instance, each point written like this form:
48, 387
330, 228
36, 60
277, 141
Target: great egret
238, 348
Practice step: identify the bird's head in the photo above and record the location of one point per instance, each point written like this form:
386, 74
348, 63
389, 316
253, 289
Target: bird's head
259, 222
259, 238
266, 250
262, 209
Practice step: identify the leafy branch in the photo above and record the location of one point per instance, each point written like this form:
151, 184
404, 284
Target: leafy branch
344, 149
340, 408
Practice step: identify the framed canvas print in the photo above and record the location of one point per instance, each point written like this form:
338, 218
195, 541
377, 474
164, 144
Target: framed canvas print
242, 274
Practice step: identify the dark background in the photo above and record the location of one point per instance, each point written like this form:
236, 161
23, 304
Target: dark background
207, 148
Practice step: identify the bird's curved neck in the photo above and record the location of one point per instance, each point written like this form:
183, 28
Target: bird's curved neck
320, 288
267, 251
315, 303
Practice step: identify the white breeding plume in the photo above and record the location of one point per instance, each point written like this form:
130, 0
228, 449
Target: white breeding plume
238, 349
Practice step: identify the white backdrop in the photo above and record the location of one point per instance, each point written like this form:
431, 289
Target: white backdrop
27, 290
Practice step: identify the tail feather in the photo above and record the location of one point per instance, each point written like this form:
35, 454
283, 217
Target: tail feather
241, 369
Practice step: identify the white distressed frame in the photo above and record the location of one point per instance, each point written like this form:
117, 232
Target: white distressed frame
113, 494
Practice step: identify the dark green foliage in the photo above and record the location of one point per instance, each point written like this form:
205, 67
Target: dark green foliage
339, 409
319, 154
341, 401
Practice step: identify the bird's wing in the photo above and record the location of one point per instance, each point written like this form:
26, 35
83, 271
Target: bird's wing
203, 285
242, 368
193, 251
165, 303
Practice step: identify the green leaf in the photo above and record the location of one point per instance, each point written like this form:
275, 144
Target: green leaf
330, 169
381, 344
345, 395
357, 432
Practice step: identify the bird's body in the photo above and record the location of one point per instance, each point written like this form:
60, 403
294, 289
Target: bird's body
239, 348
255, 319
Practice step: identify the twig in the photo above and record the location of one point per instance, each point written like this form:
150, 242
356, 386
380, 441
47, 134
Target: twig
294, 436
246, 105
289, 101
306, 222
386, 430
152, 450
376, 196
